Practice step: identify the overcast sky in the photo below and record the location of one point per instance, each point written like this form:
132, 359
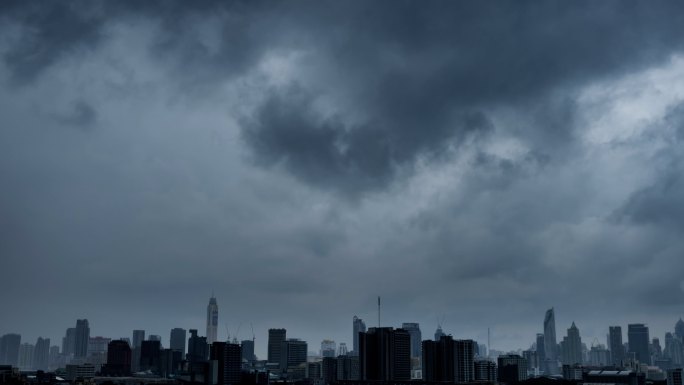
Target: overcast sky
471, 162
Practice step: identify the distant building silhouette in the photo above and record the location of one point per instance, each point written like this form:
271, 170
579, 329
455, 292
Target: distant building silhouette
275, 339
41, 354
81, 339
674, 376
637, 337
150, 356
413, 328
328, 370
248, 351
385, 355
541, 352
119, 357
69, 342
617, 349
9, 349
348, 368
229, 359
511, 369
674, 350
177, 340
571, 347
328, 348
358, 326
679, 329
26, 356
293, 354
198, 349
448, 360
138, 338
485, 371
212, 320
439, 333
550, 343
342, 349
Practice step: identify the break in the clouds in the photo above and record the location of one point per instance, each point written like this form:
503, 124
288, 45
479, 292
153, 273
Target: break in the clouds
479, 162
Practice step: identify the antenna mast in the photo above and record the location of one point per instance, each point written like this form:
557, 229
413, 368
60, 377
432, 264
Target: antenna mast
378, 311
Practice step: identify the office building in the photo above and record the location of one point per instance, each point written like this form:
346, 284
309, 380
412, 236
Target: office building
150, 356
617, 349
572, 347
81, 339
416, 337
485, 371
342, 349
177, 340
275, 339
293, 358
212, 320
638, 340
69, 342
348, 368
229, 359
119, 357
41, 354
83, 371
541, 355
385, 355
198, 348
674, 376
328, 369
439, 333
679, 329
511, 369
9, 349
26, 357
328, 348
550, 343
248, 351
448, 360
138, 338
358, 326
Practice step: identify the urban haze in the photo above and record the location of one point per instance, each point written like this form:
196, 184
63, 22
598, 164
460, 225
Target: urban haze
470, 165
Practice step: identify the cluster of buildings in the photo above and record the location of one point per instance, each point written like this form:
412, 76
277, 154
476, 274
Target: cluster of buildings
379, 355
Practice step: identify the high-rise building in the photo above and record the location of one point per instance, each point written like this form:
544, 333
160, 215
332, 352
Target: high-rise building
9, 349
41, 354
448, 360
293, 358
342, 349
275, 339
26, 356
328, 369
385, 354
550, 343
617, 349
541, 355
439, 333
118, 359
572, 347
599, 356
511, 369
81, 339
637, 337
358, 326
416, 338
229, 359
679, 329
248, 351
138, 338
674, 376
212, 320
673, 350
177, 340
328, 348
150, 356
69, 342
485, 371
347, 367
198, 348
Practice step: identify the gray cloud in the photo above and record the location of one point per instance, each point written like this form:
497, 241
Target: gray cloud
300, 160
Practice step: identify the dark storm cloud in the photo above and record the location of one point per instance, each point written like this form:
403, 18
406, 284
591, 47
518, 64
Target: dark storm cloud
460, 131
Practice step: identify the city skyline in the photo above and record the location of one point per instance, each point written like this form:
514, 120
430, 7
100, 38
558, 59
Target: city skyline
472, 163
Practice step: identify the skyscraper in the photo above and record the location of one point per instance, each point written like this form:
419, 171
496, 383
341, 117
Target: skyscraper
41, 354
328, 348
9, 349
248, 350
540, 351
118, 359
69, 342
275, 339
150, 356
679, 329
212, 320
416, 338
439, 333
81, 339
229, 358
512, 369
617, 349
26, 356
572, 347
177, 340
637, 337
385, 354
198, 349
358, 326
138, 338
550, 344
293, 358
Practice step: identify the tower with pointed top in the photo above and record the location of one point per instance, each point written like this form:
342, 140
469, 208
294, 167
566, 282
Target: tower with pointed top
212, 320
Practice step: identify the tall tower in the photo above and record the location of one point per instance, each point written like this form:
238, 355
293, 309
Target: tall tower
550, 344
81, 339
572, 346
637, 338
617, 349
358, 327
212, 320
